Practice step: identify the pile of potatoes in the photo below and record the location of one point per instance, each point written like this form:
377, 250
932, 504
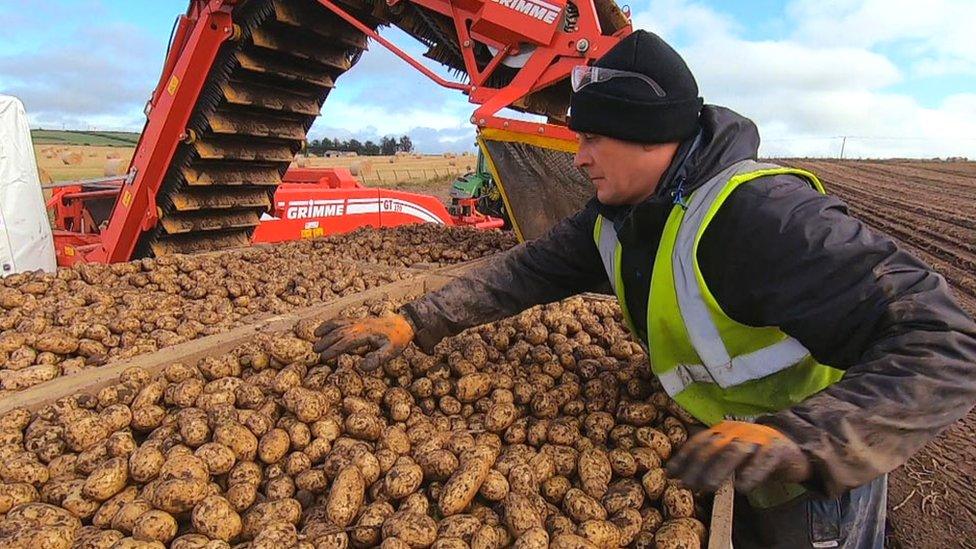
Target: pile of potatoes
416, 245
60, 323
545, 429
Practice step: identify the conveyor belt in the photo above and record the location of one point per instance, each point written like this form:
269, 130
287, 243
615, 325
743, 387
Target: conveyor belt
261, 96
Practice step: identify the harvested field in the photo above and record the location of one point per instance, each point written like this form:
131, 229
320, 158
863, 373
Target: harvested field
425, 174
930, 207
92, 161
86, 316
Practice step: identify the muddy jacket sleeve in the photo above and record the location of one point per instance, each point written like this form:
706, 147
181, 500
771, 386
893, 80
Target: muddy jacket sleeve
784, 255
563, 262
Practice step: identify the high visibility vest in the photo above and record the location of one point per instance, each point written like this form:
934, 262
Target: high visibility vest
711, 365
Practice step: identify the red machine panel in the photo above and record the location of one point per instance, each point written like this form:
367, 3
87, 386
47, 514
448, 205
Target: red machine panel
516, 21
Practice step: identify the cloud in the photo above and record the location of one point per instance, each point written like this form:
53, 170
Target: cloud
938, 34
100, 75
805, 93
841, 67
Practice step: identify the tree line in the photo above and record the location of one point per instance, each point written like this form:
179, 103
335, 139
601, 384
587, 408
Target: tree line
387, 146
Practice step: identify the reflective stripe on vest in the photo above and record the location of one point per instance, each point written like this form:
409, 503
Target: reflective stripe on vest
725, 355
702, 331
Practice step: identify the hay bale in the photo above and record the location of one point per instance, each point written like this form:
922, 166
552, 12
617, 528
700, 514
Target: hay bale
71, 158
113, 167
452, 163
111, 155
361, 168
391, 160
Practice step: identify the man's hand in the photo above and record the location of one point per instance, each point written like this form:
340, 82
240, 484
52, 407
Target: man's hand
387, 335
754, 452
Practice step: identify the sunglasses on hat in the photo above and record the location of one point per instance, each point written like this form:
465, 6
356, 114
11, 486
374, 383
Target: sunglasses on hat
584, 75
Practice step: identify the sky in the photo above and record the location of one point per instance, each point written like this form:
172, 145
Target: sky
897, 77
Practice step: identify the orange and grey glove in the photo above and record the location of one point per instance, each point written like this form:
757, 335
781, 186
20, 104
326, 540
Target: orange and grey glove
755, 453
387, 335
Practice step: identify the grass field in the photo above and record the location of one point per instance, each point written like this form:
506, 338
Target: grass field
94, 138
431, 174
70, 162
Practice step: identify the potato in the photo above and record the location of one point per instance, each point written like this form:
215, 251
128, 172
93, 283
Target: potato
696, 525
308, 406
520, 514
15, 380
461, 488
673, 535
265, 514
155, 525
595, 472
38, 525
414, 529
145, 463
533, 538
581, 507
678, 502
14, 494
107, 480
554, 489
461, 526
274, 445
125, 519
449, 543
438, 464
403, 478
177, 495
346, 496
97, 539
242, 496
628, 521
570, 541
637, 414
77, 504
238, 438
654, 439
368, 527
601, 533
107, 511
626, 493
471, 387
364, 426
147, 418
193, 541
654, 482
218, 458
216, 518
495, 486
500, 416
56, 342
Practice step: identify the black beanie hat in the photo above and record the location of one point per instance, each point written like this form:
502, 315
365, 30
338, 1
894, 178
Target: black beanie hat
628, 108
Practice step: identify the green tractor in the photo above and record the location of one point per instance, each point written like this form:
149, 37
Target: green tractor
479, 186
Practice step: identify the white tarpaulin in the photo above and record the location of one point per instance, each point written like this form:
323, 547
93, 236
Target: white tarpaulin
25, 232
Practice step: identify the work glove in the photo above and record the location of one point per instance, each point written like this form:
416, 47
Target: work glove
755, 453
387, 335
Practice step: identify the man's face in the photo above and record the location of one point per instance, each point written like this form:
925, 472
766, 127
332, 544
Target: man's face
623, 172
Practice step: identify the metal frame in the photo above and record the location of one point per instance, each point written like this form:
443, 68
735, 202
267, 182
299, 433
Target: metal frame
198, 36
200, 32
550, 61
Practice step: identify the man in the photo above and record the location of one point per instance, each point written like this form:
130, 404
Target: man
818, 352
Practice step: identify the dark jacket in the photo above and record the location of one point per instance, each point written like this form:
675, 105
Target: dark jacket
778, 253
